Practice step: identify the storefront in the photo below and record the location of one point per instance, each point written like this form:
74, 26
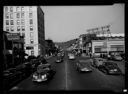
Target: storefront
103, 46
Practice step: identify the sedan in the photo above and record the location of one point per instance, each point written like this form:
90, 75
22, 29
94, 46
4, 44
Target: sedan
43, 73
83, 67
71, 56
110, 68
97, 61
59, 59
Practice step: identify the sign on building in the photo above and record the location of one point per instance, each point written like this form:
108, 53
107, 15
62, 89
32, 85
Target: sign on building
13, 36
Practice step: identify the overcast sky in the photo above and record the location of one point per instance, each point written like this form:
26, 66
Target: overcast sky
63, 23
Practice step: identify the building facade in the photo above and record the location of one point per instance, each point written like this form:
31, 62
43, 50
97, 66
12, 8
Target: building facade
106, 46
29, 22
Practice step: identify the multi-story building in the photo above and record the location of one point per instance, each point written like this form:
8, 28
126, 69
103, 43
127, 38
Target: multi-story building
29, 22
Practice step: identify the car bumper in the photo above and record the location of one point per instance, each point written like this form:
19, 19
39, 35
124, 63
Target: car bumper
86, 70
71, 58
39, 80
115, 73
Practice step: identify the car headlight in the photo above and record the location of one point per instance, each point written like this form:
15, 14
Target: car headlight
43, 76
113, 70
34, 76
84, 69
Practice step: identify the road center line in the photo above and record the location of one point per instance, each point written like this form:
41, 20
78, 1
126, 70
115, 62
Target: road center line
66, 74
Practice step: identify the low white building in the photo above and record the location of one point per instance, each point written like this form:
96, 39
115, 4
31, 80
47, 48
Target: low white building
104, 46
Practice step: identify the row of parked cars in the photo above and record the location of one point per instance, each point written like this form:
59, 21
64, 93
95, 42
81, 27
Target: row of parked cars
107, 67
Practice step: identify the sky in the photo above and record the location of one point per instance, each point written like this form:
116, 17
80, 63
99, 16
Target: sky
63, 23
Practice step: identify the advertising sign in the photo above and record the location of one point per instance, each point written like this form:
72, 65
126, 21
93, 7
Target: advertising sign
13, 36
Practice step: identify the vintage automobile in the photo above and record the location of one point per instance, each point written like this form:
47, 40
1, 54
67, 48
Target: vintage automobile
59, 59
97, 61
71, 56
110, 67
43, 73
83, 67
117, 57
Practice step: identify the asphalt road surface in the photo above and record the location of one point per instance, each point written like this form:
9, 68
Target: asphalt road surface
67, 78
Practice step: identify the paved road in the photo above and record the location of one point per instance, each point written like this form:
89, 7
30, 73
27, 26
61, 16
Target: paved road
67, 78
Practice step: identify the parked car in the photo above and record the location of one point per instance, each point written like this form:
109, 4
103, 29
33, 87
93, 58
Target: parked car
117, 57
44, 73
83, 67
110, 68
71, 56
11, 77
97, 61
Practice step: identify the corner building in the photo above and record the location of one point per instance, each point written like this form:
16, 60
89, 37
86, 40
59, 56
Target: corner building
29, 22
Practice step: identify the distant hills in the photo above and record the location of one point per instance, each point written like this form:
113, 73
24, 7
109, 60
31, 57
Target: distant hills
67, 44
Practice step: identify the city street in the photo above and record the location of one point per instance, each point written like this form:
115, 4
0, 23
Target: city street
67, 78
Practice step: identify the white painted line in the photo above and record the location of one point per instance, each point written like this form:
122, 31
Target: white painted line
66, 74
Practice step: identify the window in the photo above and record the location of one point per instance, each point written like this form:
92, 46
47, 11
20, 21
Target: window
7, 16
23, 28
22, 8
32, 53
31, 35
22, 21
11, 15
18, 22
6, 9
22, 15
17, 8
18, 28
7, 22
7, 28
11, 9
30, 15
30, 8
18, 15
31, 41
12, 28
12, 22
31, 21
31, 28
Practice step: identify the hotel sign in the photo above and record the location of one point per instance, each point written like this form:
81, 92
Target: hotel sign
13, 36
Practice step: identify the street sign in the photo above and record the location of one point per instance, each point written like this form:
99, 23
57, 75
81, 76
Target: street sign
13, 36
